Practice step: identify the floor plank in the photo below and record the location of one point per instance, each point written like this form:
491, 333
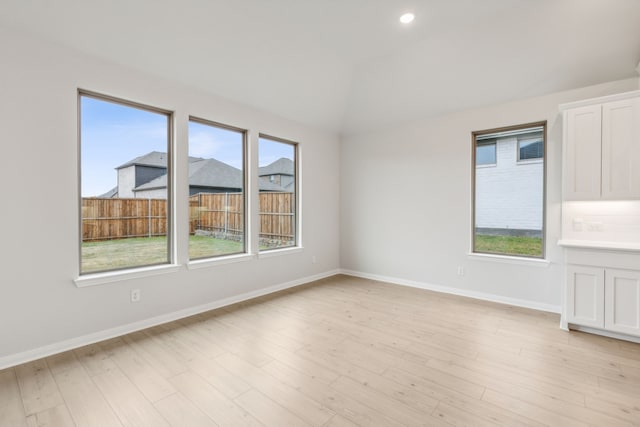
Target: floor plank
180, 411
340, 352
38, 388
83, 399
222, 410
269, 412
11, 408
54, 417
127, 401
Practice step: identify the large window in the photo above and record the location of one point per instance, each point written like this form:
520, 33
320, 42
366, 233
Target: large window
125, 184
216, 189
509, 198
277, 184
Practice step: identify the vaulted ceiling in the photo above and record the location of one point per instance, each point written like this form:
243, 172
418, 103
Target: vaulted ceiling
349, 65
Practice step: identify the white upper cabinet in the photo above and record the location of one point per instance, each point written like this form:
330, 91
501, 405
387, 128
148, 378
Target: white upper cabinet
602, 148
621, 149
583, 149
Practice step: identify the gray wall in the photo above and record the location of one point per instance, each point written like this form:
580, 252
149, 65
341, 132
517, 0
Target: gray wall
420, 233
41, 308
145, 174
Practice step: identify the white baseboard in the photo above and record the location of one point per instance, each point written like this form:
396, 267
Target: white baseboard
610, 334
70, 344
456, 291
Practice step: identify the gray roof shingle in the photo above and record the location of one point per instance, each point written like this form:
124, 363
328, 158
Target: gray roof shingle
282, 166
211, 173
155, 159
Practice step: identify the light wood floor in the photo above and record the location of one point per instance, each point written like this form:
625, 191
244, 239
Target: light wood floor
339, 352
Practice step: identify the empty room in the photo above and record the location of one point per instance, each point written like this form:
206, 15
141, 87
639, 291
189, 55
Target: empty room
320, 213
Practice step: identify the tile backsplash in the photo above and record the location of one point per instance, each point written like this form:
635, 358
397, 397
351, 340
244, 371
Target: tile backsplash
605, 221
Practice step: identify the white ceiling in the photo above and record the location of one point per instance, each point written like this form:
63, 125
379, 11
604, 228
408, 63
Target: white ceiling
349, 65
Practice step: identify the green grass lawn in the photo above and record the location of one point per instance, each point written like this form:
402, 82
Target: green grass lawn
134, 252
509, 245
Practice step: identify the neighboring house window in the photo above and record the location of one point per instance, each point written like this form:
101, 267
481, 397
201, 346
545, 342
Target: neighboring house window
486, 152
509, 199
278, 201
123, 147
217, 183
530, 147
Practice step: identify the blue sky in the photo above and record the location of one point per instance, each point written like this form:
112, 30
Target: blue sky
113, 134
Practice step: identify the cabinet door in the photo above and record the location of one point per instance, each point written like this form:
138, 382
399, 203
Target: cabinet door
621, 149
622, 301
585, 296
582, 156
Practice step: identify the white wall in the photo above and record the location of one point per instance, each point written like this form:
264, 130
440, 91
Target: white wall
509, 193
39, 303
406, 202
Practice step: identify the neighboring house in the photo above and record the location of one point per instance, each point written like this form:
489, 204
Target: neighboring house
510, 185
146, 177
281, 172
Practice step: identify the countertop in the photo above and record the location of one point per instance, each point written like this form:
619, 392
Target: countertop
597, 244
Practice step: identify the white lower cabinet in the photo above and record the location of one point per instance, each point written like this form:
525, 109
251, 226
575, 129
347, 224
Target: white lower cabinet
604, 298
622, 301
585, 296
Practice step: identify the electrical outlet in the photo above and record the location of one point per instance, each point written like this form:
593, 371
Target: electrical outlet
313, 259
578, 224
135, 295
460, 271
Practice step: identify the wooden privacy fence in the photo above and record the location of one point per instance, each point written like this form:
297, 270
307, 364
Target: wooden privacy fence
216, 213
277, 220
219, 214
104, 219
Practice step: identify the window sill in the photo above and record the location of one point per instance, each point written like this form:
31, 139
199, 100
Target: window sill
534, 262
530, 162
211, 262
278, 252
120, 275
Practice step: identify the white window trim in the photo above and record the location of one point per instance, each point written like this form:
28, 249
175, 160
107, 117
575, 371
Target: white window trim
94, 279
534, 160
212, 260
220, 260
297, 247
280, 251
511, 259
507, 259
88, 279
530, 161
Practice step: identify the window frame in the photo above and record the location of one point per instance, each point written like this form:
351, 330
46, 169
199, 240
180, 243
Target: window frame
493, 143
245, 180
534, 159
544, 160
297, 197
171, 255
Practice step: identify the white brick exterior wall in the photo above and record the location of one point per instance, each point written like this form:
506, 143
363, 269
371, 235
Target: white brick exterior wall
126, 182
157, 193
509, 194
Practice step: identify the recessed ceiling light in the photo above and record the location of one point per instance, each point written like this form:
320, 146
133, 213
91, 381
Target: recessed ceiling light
407, 18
